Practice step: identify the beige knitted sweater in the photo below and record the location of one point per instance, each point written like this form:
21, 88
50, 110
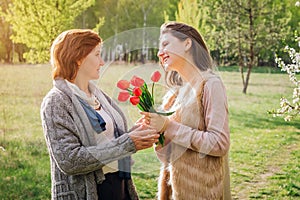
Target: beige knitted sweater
195, 161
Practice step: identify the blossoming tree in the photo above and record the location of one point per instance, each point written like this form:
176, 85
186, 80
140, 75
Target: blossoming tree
291, 109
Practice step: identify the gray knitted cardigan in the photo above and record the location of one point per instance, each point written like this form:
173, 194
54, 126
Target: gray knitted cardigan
76, 160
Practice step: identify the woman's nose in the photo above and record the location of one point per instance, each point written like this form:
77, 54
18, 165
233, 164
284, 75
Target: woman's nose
160, 52
101, 61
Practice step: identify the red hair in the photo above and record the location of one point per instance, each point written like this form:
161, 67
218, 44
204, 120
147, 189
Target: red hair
69, 49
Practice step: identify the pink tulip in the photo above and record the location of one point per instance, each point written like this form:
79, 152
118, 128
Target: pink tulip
134, 100
155, 76
137, 91
123, 84
137, 81
123, 96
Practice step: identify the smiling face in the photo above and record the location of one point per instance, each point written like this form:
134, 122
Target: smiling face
171, 52
90, 66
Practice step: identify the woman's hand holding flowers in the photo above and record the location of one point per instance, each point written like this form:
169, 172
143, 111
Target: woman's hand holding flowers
156, 121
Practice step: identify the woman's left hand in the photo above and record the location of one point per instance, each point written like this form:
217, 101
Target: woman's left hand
156, 121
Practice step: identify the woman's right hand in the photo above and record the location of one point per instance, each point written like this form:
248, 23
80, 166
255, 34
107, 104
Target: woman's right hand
143, 137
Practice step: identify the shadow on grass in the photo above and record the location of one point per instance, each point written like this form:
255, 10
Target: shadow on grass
145, 176
251, 120
265, 70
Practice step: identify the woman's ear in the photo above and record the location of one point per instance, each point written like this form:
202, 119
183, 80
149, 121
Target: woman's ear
188, 44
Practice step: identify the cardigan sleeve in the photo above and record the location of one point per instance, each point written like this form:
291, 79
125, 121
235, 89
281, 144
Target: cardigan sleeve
65, 146
215, 140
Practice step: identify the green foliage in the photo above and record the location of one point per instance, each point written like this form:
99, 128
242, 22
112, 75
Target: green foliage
104, 13
137, 15
5, 33
270, 19
99, 24
271, 28
171, 10
221, 23
36, 23
188, 12
249, 33
198, 14
207, 28
123, 15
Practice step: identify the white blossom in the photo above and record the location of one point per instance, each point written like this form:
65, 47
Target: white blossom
288, 109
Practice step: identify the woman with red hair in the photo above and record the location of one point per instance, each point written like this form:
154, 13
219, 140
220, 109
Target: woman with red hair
85, 131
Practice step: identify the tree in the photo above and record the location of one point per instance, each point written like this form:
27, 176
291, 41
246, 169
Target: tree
37, 23
104, 13
294, 26
5, 33
189, 13
8, 48
198, 14
169, 12
128, 26
248, 28
290, 109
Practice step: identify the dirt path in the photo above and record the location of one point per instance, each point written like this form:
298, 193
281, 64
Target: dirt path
262, 181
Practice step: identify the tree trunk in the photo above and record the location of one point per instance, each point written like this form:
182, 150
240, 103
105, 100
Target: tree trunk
8, 58
251, 47
241, 61
247, 79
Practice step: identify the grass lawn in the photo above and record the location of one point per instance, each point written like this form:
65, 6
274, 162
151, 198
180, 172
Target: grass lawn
264, 155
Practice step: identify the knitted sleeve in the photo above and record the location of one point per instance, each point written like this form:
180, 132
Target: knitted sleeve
214, 140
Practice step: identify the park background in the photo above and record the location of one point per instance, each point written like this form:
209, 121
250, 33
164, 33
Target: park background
244, 39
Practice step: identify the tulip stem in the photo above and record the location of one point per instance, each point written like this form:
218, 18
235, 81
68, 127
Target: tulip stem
153, 93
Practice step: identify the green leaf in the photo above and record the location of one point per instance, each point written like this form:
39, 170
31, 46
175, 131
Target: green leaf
142, 106
152, 93
161, 139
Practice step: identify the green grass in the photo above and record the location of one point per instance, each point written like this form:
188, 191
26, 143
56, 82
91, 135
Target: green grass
264, 155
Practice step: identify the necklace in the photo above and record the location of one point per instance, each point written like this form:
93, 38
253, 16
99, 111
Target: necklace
96, 105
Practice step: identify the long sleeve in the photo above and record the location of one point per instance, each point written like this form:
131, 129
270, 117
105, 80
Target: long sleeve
65, 143
215, 140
